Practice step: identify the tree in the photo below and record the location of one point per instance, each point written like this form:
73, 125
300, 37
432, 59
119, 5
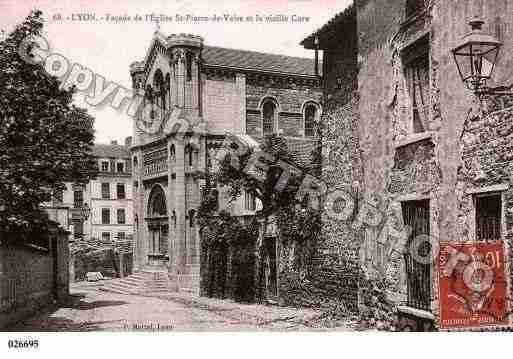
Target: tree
45, 140
300, 221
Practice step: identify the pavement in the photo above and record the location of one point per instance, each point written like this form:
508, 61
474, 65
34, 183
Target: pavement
90, 309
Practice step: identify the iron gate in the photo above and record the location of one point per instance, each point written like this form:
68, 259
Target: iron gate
416, 215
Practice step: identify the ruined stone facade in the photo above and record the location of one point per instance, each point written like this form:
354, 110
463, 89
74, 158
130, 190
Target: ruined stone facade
226, 91
427, 142
331, 279
409, 142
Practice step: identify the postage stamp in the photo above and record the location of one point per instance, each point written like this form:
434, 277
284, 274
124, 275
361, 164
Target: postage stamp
473, 285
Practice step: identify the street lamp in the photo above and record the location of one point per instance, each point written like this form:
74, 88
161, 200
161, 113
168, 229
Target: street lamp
86, 211
476, 57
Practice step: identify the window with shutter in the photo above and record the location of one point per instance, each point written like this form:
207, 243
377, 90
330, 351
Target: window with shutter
121, 216
105, 216
416, 69
106, 190
120, 190
78, 198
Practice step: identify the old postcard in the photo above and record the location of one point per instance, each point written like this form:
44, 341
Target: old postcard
239, 166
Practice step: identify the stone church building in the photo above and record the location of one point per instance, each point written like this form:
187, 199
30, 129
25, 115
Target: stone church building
240, 92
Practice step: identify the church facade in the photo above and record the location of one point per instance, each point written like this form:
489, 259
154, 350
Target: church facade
232, 91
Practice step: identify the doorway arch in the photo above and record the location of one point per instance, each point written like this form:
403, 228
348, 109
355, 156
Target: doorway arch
158, 226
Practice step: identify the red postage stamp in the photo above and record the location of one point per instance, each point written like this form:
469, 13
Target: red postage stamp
473, 285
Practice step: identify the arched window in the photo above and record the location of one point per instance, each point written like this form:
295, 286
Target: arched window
149, 99
191, 218
167, 85
189, 152
188, 59
172, 152
135, 162
157, 202
160, 91
268, 117
310, 117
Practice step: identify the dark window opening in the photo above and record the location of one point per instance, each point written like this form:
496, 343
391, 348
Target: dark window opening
416, 217
167, 85
172, 152
121, 235
106, 236
78, 229
105, 215
191, 218
189, 66
120, 189
413, 7
105, 166
121, 216
120, 167
488, 217
105, 190
269, 113
310, 114
190, 154
78, 198
416, 68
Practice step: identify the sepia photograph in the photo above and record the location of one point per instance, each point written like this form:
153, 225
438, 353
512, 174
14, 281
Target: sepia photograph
334, 167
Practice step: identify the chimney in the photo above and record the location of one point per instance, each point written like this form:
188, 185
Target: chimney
128, 141
113, 142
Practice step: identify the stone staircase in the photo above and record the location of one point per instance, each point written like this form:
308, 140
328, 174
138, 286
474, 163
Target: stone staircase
144, 282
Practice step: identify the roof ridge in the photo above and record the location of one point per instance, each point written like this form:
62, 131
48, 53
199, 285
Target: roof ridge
258, 52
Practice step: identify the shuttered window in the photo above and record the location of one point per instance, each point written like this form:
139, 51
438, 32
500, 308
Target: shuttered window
416, 68
105, 216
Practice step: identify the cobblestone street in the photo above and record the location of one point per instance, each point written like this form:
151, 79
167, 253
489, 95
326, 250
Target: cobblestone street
91, 309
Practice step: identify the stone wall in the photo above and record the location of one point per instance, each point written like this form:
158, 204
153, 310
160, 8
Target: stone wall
486, 165
31, 278
442, 162
328, 278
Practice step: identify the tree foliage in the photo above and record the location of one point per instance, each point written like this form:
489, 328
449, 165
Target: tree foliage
272, 200
295, 219
45, 140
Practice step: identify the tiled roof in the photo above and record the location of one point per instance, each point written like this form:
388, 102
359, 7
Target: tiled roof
348, 15
257, 61
107, 151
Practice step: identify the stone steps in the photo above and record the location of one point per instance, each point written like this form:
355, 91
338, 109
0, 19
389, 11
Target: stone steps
144, 282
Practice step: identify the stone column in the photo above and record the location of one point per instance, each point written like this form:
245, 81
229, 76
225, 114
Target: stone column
170, 208
180, 77
180, 254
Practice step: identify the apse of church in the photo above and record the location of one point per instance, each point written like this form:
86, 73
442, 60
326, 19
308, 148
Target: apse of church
183, 81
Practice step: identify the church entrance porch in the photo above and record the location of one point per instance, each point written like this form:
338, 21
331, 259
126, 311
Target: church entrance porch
158, 241
157, 222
